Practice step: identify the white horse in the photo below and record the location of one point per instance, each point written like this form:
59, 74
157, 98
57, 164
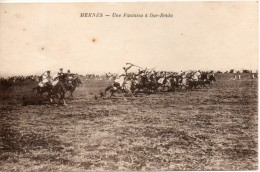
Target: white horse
120, 84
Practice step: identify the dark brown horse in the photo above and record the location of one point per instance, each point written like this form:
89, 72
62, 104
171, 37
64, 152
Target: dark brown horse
205, 80
58, 90
72, 85
126, 87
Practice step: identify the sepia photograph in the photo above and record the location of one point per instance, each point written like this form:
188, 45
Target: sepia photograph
133, 86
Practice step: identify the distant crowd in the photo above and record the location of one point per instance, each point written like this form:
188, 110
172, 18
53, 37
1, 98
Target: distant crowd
106, 76
21, 78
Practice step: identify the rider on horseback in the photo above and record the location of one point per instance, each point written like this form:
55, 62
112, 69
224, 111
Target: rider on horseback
70, 77
125, 75
60, 73
49, 78
46, 79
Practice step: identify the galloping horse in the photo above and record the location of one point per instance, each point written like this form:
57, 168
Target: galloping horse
206, 79
142, 83
210, 79
119, 84
58, 87
75, 82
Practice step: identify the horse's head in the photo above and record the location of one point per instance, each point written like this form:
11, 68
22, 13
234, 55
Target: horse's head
79, 81
187, 77
76, 81
203, 76
143, 79
212, 78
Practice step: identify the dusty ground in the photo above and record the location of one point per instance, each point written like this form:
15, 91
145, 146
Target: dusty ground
205, 129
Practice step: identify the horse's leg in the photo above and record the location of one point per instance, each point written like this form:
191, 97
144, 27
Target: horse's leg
189, 87
64, 103
35, 88
195, 85
150, 89
181, 87
71, 94
50, 96
108, 88
112, 91
204, 85
185, 88
192, 85
135, 91
38, 91
176, 86
127, 91
169, 88
41, 93
57, 96
164, 87
63, 98
158, 88
51, 100
146, 90
198, 84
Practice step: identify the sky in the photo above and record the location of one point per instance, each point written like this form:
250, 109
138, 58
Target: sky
200, 35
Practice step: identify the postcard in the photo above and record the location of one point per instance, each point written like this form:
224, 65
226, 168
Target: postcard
129, 86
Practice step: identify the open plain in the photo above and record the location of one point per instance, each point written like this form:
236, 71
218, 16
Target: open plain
203, 129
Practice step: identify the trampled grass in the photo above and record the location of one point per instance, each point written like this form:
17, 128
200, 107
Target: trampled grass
204, 129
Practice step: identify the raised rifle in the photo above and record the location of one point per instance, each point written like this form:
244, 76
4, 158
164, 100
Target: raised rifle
134, 65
